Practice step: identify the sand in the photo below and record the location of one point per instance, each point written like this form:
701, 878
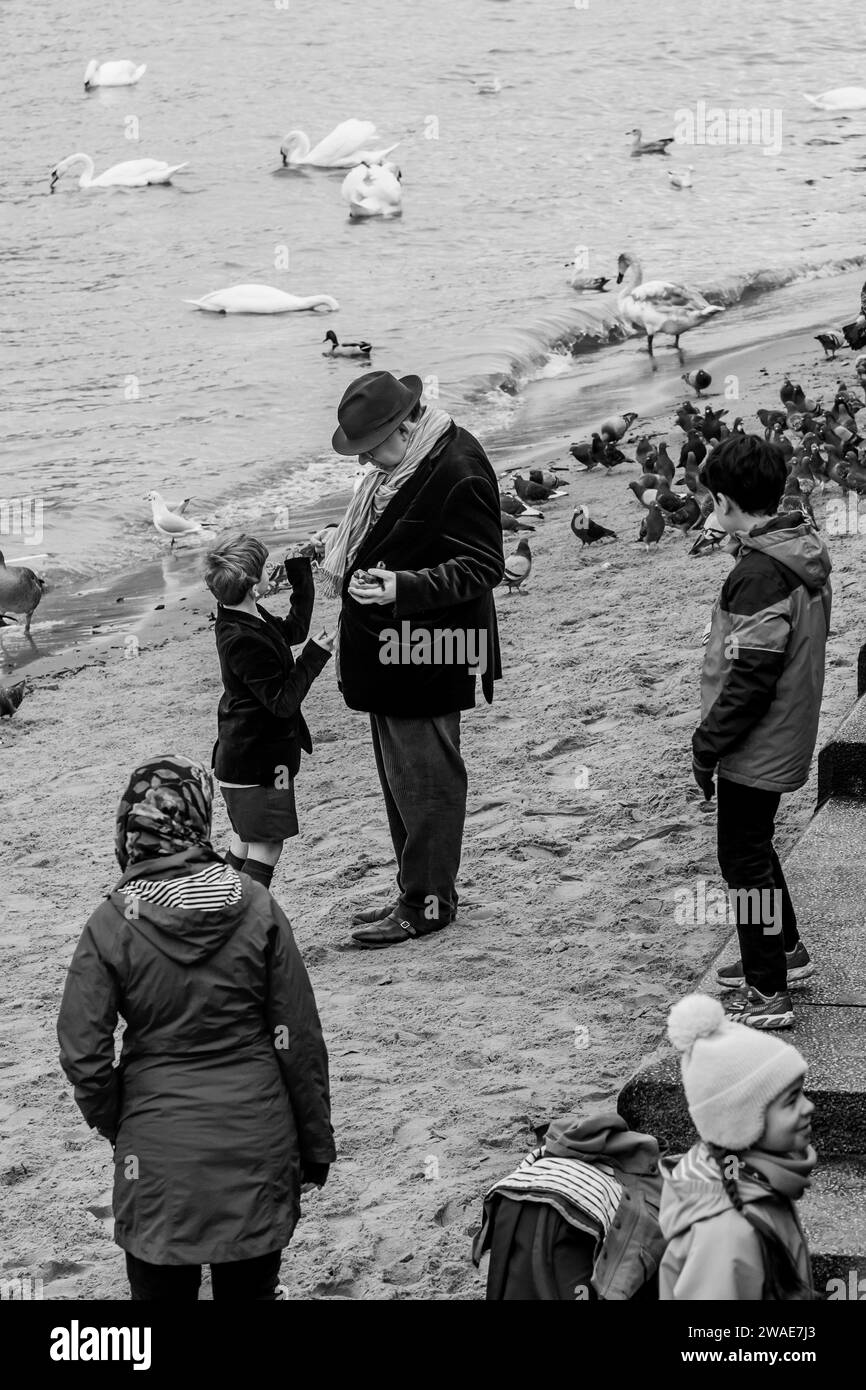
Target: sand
446, 1054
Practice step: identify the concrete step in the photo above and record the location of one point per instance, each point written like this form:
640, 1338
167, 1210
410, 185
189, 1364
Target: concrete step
833, 1216
842, 760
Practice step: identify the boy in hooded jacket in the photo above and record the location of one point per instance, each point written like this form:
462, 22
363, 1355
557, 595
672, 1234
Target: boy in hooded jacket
761, 687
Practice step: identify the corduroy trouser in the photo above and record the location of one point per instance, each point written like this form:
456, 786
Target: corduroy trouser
424, 783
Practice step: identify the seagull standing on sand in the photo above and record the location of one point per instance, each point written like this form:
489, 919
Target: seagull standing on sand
172, 524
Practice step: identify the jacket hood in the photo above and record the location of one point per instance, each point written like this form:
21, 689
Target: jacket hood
605, 1138
692, 1185
185, 935
791, 541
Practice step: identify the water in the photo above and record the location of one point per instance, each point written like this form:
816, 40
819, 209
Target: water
113, 386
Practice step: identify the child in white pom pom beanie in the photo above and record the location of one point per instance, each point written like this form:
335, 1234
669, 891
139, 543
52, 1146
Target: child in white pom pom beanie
727, 1209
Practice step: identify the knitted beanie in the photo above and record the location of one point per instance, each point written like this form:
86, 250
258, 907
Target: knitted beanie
731, 1072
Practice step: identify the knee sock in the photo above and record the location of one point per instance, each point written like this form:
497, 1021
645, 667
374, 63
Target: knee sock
262, 873
235, 863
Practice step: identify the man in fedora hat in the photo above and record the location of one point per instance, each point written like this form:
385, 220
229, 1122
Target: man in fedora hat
415, 560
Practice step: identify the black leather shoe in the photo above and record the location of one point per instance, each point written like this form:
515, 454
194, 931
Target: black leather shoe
392, 931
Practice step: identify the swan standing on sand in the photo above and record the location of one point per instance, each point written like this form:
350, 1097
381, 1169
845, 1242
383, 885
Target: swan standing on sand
260, 299
659, 306
373, 190
134, 173
345, 146
839, 99
119, 74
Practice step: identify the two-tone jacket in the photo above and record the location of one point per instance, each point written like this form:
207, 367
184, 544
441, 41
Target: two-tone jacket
763, 672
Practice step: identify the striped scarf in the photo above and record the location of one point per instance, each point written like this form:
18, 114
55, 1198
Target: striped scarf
567, 1184
210, 890
377, 489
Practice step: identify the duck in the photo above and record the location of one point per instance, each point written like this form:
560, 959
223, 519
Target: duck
260, 299
171, 524
641, 146
133, 173
345, 146
683, 180
121, 73
659, 306
373, 190
839, 99
21, 591
338, 349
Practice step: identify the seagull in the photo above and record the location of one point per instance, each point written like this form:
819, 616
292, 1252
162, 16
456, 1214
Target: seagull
172, 524
517, 567
683, 180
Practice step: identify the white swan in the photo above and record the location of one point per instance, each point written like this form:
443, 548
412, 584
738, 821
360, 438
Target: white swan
373, 190
119, 74
839, 99
260, 299
659, 306
135, 173
341, 149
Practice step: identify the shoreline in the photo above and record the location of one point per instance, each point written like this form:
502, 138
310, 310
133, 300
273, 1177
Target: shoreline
539, 1000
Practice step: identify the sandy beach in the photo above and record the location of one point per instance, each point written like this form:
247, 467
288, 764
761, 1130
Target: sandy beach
445, 1054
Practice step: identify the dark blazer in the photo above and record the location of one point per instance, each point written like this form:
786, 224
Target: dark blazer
442, 534
261, 728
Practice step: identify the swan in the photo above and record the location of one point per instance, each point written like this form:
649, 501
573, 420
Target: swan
337, 349
683, 180
259, 299
120, 74
659, 306
134, 173
373, 190
341, 149
839, 99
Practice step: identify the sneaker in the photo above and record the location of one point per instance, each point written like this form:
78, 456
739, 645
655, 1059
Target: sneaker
762, 1011
797, 962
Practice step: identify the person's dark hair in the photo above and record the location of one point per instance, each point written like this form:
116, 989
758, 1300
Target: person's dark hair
782, 1281
233, 567
749, 470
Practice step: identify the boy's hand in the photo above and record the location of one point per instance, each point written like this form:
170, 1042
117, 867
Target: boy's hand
325, 639
704, 778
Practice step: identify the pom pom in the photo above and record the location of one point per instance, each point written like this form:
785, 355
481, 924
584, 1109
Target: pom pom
696, 1016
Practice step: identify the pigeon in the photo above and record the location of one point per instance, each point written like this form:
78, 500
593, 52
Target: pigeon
695, 445
699, 379
584, 451
645, 488
710, 423
517, 567
793, 500
860, 369
685, 416
611, 455
21, 591
789, 394
645, 453
664, 464
685, 516
529, 491
10, 698
511, 523
693, 476
172, 524
710, 538
546, 477
831, 341
587, 530
653, 526
513, 505
615, 426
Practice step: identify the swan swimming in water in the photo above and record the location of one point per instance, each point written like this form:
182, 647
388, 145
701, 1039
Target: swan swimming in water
839, 99
341, 149
659, 306
260, 299
134, 173
119, 74
373, 190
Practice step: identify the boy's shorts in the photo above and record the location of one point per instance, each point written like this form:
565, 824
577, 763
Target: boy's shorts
262, 814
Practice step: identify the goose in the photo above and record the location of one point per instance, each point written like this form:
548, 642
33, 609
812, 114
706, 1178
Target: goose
119, 74
659, 306
839, 99
373, 190
21, 591
260, 299
338, 349
341, 149
640, 146
171, 524
683, 180
134, 173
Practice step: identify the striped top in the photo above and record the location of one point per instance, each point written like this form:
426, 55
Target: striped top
566, 1183
698, 1166
209, 890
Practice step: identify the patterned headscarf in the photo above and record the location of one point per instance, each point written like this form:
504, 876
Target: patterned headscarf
165, 809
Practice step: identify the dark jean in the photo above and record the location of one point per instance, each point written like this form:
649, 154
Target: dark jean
766, 922
424, 783
241, 1279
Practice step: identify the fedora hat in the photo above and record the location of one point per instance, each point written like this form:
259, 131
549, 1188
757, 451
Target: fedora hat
372, 408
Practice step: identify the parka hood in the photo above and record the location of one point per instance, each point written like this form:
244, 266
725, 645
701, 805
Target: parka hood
604, 1138
791, 541
186, 935
693, 1189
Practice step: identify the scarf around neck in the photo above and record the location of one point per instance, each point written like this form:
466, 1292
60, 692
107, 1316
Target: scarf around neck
377, 489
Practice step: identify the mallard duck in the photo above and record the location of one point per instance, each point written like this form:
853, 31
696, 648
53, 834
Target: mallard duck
338, 349
659, 306
21, 591
640, 146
